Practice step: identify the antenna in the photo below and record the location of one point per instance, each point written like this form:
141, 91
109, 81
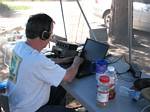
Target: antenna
63, 18
86, 20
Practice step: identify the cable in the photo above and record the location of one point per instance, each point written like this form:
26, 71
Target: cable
112, 59
146, 107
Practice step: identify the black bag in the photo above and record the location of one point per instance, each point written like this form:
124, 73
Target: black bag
142, 83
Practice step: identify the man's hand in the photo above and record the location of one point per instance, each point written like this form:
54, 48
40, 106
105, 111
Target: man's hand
62, 60
73, 69
77, 61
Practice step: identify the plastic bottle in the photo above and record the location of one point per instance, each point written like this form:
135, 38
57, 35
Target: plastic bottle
103, 91
112, 74
131, 93
101, 67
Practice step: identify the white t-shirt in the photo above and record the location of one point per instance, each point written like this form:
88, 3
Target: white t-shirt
31, 75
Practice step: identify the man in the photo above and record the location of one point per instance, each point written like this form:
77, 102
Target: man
32, 74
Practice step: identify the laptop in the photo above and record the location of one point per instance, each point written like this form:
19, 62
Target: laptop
92, 50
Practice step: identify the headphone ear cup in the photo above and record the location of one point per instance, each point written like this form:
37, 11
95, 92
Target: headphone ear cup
45, 35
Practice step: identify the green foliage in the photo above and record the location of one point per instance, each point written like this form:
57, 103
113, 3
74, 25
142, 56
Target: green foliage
24, 0
5, 10
17, 7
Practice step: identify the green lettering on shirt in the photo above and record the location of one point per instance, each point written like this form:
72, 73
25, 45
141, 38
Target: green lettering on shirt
14, 66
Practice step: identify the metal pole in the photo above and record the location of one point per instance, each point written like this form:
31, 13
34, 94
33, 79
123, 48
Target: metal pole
86, 20
130, 27
63, 18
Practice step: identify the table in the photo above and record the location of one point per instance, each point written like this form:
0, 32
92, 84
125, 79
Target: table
84, 90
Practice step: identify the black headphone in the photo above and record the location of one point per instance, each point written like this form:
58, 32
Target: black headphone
45, 35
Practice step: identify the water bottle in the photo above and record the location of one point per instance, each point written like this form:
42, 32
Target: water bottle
131, 93
112, 74
103, 91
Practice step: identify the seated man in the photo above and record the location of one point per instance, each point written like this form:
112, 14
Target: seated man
33, 77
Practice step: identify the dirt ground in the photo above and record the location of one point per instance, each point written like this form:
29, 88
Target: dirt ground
140, 51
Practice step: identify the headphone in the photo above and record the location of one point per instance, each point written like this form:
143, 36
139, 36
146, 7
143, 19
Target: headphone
45, 35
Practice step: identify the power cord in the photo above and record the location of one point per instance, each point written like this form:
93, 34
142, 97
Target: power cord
146, 107
112, 59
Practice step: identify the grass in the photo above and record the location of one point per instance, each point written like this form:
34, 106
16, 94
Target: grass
17, 7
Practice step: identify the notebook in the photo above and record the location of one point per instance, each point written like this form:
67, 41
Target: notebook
92, 51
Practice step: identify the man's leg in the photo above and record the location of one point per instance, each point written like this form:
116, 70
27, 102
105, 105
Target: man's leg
57, 96
54, 108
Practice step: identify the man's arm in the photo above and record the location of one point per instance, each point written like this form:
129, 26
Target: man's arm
73, 69
62, 60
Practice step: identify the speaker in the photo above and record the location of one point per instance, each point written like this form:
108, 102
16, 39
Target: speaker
45, 35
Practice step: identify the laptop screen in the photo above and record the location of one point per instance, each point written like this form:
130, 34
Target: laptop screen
94, 50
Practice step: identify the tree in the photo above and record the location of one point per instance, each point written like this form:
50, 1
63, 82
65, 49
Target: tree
119, 22
5, 11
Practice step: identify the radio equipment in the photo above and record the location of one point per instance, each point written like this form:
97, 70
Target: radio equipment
64, 49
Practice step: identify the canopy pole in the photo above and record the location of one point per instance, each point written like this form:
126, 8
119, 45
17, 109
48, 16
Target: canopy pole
130, 27
63, 18
86, 20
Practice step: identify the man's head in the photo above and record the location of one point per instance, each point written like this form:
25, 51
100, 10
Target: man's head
39, 26
39, 29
